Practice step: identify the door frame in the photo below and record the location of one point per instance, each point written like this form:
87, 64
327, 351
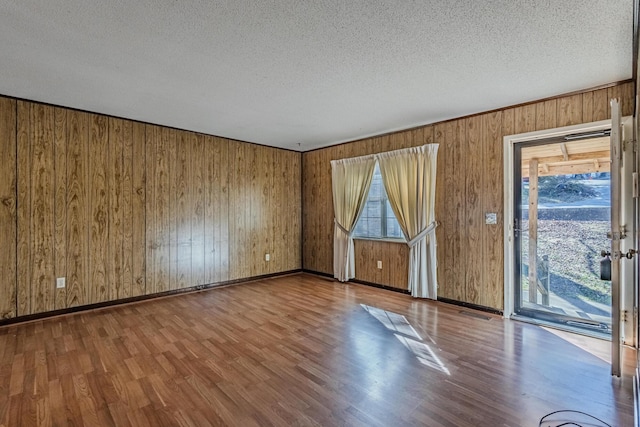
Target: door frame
509, 215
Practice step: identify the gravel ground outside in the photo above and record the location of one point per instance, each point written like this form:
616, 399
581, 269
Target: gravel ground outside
573, 248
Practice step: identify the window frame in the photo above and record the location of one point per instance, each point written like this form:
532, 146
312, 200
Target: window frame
384, 216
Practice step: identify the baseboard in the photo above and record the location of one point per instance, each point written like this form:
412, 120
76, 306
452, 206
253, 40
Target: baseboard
470, 305
407, 292
317, 273
376, 285
44, 315
360, 282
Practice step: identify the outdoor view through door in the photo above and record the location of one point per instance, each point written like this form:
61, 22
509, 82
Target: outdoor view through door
563, 214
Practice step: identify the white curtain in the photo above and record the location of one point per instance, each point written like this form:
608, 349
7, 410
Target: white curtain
351, 179
409, 177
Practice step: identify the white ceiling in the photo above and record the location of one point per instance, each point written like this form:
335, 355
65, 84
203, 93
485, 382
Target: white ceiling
303, 74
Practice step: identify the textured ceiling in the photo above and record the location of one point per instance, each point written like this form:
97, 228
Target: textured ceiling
303, 74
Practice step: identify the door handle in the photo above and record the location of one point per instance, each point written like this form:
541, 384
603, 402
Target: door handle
629, 255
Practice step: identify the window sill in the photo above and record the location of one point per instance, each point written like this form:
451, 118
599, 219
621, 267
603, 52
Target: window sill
383, 239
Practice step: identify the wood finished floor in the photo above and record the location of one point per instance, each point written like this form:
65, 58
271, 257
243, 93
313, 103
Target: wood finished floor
297, 350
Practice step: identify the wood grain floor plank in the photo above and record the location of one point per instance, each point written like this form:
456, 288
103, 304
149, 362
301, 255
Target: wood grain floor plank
299, 350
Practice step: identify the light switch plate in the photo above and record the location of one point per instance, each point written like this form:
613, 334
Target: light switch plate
60, 283
490, 218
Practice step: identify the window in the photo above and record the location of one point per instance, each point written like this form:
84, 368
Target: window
377, 220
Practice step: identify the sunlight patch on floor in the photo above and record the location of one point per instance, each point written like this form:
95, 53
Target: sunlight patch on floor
407, 335
599, 348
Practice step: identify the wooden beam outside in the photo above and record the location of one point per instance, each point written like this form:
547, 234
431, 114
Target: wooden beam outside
590, 166
545, 167
565, 154
601, 154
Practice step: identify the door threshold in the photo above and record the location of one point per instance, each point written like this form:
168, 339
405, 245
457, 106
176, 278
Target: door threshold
593, 333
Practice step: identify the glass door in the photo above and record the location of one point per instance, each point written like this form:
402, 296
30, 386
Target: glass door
562, 217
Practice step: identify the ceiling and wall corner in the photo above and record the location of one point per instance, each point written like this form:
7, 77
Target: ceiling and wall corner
306, 74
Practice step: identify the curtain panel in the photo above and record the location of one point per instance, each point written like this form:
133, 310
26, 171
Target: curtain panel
409, 178
351, 179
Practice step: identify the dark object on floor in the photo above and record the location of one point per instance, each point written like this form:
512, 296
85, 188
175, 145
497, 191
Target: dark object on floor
571, 418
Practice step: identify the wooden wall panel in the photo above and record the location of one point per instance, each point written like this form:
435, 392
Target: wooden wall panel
472, 253
78, 219
398, 265
162, 212
138, 166
458, 213
42, 208
307, 216
469, 184
182, 212
8, 217
546, 115
197, 183
174, 215
394, 257
266, 243
122, 209
60, 203
492, 258
570, 110
119, 286
525, 118
256, 257
211, 207
452, 249
278, 207
311, 166
99, 162
326, 229
444, 165
365, 261
441, 170
325, 204
23, 209
292, 199
222, 185
601, 106
238, 207
128, 191
152, 246
587, 107
36, 224
287, 216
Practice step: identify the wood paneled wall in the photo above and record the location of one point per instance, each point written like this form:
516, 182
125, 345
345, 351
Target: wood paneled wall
8, 223
469, 183
122, 209
395, 262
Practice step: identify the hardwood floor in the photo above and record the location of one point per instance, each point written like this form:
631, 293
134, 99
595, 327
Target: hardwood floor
297, 350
